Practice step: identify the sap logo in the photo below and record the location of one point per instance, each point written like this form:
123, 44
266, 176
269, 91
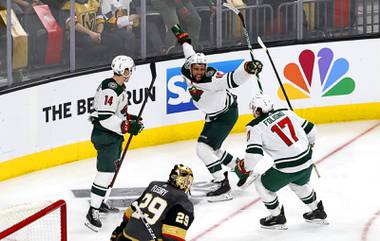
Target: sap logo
332, 74
178, 98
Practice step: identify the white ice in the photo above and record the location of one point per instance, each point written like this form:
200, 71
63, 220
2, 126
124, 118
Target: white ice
348, 187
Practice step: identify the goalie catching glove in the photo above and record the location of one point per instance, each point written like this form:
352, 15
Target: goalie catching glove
181, 35
132, 127
253, 67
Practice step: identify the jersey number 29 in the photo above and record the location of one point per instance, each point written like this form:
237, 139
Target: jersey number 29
155, 205
280, 126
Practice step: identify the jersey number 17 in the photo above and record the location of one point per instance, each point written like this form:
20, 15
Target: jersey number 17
280, 126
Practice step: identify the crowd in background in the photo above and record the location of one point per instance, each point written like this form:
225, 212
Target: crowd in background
105, 28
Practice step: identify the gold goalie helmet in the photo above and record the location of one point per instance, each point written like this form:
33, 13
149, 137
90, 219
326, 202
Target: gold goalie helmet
181, 177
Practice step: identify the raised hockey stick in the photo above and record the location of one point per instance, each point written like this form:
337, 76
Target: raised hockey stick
275, 70
154, 75
135, 206
260, 41
246, 35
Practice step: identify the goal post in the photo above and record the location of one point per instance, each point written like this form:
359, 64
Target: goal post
34, 221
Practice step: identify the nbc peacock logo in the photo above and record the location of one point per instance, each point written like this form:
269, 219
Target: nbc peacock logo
332, 75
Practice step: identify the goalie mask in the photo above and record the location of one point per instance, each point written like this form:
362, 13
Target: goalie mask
181, 177
121, 63
262, 102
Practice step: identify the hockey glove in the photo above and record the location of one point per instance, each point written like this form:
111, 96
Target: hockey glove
181, 35
118, 231
245, 177
133, 127
254, 67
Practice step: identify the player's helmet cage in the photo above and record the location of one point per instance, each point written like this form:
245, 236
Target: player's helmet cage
121, 63
264, 102
181, 177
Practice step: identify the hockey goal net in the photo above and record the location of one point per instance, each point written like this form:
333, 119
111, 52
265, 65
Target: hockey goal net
34, 222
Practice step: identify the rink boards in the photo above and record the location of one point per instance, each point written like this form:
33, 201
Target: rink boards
47, 125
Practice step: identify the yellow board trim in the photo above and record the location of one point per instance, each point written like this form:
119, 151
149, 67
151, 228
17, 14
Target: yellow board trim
167, 134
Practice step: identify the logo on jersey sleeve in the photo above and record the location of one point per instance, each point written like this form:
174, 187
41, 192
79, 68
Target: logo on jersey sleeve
178, 99
332, 74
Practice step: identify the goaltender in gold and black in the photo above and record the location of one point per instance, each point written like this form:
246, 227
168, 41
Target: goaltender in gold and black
166, 208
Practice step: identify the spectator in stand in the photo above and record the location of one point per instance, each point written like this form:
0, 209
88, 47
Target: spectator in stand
95, 43
116, 21
175, 11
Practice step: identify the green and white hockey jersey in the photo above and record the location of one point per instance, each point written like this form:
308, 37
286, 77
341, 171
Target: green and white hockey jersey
110, 104
283, 135
211, 95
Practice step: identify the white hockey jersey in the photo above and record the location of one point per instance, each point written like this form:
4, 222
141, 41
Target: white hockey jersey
211, 95
283, 135
110, 104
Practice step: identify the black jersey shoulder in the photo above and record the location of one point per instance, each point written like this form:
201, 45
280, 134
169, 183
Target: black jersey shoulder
110, 83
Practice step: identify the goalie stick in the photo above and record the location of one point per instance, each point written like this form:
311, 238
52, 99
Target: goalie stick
137, 209
261, 43
246, 35
154, 75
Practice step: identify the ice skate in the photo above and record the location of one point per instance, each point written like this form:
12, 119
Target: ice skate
275, 222
222, 191
318, 216
92, 220
106, 208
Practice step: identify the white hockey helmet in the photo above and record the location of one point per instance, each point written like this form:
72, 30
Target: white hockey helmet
121, 63
198, 58
264, 102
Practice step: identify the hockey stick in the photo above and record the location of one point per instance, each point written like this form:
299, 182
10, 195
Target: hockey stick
275, 70
281, 85
246, 35
154, 75
135, 206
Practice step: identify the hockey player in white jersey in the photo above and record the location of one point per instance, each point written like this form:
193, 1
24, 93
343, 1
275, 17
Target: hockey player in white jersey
110, 122
209, 90
288, 139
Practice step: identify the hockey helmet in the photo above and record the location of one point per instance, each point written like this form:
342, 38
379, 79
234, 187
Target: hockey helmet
198, 58
181, 177
121, 63
261, 101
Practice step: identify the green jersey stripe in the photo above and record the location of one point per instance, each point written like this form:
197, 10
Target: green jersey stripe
296, 162
308, 127
255, 150
254, 145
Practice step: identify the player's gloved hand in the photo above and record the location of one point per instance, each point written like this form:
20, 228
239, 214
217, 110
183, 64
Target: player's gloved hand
181, 35
134, 117
133, 127
245, 177
253, 67
240, 169
118, 230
